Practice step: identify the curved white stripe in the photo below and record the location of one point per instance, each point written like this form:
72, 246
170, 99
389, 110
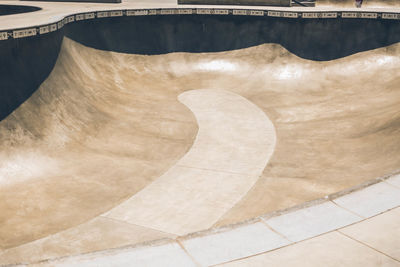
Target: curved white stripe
233, 145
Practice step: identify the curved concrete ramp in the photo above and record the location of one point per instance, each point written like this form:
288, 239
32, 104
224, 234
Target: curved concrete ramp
233, 145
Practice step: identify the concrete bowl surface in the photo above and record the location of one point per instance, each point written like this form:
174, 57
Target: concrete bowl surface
184, 127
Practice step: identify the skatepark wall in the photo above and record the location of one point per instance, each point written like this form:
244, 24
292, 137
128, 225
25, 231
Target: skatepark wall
29, 62
32, 52
11, 9
314, 39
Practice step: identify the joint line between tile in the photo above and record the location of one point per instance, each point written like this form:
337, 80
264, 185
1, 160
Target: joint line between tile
362, 243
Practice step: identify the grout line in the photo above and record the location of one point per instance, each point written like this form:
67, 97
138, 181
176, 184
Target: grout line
133, 224
187, 252
275, 231
254, 255
212, 170
352, 212
362, 243
395, 186
309, 238
301, 241
237, 202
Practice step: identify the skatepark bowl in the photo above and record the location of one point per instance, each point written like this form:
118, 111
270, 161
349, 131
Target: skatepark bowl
236, 130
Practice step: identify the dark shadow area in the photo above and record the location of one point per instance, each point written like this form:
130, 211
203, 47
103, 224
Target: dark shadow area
315, 39
10, 9
29, 62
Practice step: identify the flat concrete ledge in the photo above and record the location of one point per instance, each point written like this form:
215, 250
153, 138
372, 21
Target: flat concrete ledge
285, 3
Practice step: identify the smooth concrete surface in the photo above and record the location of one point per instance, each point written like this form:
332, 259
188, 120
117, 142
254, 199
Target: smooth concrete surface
93, 176
289, 178
105, 126
233, 145
98, 234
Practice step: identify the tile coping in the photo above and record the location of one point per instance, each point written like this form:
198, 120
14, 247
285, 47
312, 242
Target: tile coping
100, 13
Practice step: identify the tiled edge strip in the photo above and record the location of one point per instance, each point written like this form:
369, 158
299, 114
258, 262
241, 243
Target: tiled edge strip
282, 228
44, 29
268, 232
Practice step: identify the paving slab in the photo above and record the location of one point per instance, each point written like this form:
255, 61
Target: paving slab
233, 244
381, 232
312, 221
371, 200
164, 255
395, 180
329, 250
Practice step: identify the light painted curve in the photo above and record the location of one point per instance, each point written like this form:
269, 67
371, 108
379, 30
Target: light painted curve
233, 145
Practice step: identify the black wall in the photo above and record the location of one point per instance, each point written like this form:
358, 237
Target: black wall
25, 64
315, 39
10, 9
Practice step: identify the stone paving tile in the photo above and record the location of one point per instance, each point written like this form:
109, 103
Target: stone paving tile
395, 180
154, 256
312, 221
233, 244
371, 200
381, 232
329, 250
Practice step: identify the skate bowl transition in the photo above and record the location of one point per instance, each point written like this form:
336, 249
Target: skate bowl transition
125, 126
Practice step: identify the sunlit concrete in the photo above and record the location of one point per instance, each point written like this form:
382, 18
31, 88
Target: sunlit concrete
233, 145
107, 129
